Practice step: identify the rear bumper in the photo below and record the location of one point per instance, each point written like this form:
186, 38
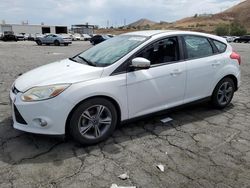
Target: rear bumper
238, 80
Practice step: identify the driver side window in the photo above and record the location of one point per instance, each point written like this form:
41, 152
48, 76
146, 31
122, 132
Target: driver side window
163, 51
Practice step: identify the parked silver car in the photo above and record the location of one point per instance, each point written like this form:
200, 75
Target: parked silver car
55, 39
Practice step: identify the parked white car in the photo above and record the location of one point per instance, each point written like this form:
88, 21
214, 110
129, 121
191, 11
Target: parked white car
229, 38
78, 36
126, 77
86, 37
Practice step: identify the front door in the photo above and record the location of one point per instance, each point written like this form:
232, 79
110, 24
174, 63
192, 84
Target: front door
163, 85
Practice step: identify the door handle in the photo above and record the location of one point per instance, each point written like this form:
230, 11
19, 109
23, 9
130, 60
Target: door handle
176, 72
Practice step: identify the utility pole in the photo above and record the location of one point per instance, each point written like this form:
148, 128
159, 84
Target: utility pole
107, 24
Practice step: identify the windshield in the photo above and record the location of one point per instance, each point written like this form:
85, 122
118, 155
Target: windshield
111, 50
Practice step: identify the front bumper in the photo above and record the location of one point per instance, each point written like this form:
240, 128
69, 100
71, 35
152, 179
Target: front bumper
26, 115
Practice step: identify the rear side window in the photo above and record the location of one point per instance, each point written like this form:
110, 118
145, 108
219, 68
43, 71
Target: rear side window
220, 46
197, 47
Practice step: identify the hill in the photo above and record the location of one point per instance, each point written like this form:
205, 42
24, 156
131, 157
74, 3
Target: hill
239, 13
205, 22
142, 23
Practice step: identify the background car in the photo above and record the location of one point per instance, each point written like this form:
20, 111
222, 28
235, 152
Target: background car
9, 36
20, 36
72, 36
86, 37
243, 39
55, 39
98, 39
79, 37
229, 38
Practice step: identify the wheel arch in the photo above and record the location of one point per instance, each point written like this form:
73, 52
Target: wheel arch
112, 100
233, 77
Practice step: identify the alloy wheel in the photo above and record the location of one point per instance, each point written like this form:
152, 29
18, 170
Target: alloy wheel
225, 93
95, 121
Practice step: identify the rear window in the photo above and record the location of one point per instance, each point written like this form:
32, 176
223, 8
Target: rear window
197, 47
220, 46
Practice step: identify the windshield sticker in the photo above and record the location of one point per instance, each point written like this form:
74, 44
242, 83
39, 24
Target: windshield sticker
137, 38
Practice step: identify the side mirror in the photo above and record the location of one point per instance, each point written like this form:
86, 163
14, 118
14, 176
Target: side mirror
140, 63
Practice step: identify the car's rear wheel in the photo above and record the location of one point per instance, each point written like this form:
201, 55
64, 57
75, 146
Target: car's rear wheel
223, 93
66, 44
93, 121
57, 43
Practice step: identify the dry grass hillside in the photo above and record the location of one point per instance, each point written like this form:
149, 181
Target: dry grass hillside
239, 13
204, 23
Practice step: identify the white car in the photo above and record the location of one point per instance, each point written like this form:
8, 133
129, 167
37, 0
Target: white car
126, 77
229, 38
78, 36
86, 37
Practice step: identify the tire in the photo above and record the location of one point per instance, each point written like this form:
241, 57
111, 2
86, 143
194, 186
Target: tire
39, 42
66, 44
223, 93
85, 118
56, 43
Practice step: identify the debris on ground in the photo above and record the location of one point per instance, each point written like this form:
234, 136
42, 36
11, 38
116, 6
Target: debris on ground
116, 186
160, 167
123, 176
166, 120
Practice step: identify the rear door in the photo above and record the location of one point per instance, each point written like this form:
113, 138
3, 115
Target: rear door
202, 65
163, 84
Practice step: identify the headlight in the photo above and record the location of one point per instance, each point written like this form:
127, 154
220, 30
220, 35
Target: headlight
43, 92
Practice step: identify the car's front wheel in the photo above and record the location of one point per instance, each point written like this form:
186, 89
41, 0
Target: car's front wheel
93, 121
39, 42
223, 93
57, 43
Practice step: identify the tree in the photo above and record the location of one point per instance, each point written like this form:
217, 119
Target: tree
222, 30
237, 30
234, 29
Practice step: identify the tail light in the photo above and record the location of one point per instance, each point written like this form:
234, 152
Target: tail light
236, 56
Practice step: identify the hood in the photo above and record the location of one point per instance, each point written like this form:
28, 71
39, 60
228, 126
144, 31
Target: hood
65, 71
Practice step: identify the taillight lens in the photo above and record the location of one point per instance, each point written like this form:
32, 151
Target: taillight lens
236, 56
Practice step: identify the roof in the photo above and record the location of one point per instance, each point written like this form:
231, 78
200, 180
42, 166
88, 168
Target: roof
147, 33
150, 33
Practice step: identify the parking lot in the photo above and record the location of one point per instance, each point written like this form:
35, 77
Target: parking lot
201, 147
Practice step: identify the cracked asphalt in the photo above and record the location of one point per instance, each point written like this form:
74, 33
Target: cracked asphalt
201, 147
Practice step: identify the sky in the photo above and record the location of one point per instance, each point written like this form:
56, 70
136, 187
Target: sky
102, 12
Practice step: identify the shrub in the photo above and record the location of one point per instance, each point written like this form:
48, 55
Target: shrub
234, 29
237, 30
222, 30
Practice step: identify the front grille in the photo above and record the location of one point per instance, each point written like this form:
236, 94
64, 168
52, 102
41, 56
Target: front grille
18, 116
15, 90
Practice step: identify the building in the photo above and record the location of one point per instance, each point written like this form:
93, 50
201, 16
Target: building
205, 15
32, 29
83, 29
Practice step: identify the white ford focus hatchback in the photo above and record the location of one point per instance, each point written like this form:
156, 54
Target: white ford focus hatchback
128, 76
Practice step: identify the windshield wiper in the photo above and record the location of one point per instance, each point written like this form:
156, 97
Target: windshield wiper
72, 59
87, 61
